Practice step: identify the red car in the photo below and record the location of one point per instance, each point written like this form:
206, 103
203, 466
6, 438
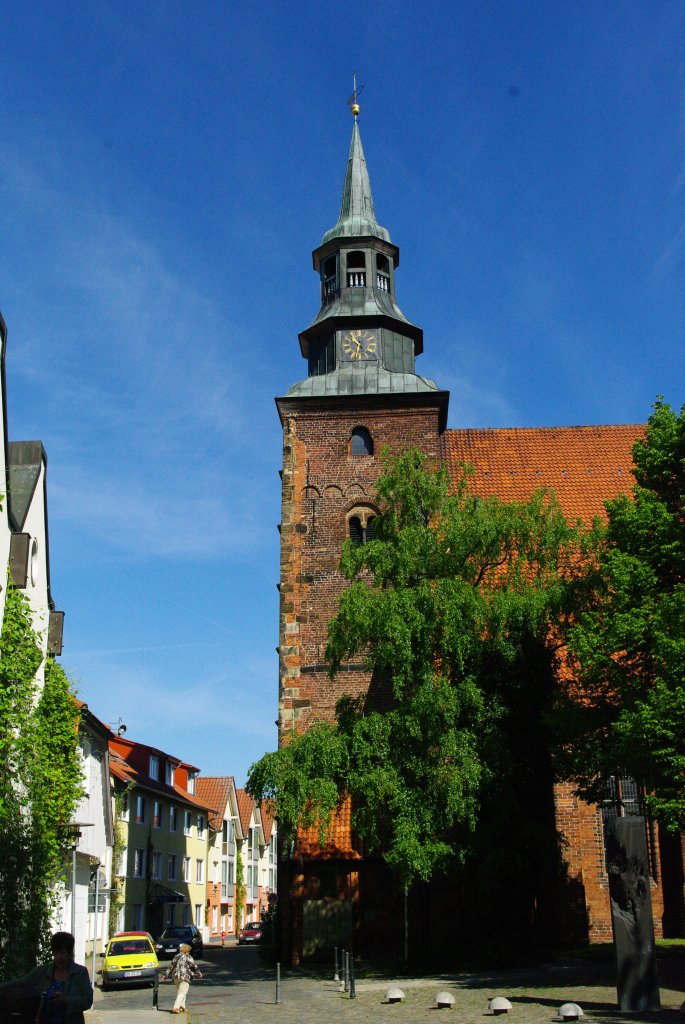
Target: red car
252, 932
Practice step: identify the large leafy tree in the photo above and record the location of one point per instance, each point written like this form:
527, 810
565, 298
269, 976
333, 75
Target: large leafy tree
451, 604
626, 707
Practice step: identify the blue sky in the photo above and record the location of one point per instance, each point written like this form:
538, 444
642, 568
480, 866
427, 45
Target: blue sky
165, 171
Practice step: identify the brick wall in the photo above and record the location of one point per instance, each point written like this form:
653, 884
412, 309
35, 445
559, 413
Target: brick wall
322, 483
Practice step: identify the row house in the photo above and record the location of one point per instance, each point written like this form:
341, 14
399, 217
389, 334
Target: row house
244, 838
83, 904
258, 855
163, 837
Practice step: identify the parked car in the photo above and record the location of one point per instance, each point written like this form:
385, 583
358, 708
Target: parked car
252, 932
129, 959
172, 937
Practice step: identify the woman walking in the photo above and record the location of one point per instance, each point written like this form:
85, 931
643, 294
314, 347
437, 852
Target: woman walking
181, 969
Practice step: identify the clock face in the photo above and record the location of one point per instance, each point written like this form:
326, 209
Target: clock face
360, 344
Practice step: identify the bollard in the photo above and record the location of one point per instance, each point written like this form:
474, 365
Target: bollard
278, 985
353, 991
336, 976
342, 970
155, 991
347, 971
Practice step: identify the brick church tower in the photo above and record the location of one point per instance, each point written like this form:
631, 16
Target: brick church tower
361, 394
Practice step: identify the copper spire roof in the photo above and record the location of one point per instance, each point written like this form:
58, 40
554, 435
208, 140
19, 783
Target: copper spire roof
357, 217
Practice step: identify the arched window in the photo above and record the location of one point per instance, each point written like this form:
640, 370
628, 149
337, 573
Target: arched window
361, 525
361, 442
356, 269
329, 277
382, 273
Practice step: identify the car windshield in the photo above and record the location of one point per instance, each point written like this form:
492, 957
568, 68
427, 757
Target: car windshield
122, 946
176, 933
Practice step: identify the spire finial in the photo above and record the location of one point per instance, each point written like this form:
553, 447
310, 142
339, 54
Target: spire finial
352, 101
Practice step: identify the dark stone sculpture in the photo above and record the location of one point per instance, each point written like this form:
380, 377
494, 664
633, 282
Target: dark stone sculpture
631, 914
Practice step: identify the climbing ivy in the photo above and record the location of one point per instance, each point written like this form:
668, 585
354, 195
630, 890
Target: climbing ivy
240, 891
119, 833
40, 786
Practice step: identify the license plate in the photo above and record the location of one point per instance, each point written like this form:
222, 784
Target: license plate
170, 949
132, 974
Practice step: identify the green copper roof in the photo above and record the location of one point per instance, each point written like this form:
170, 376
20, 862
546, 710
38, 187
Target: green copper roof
361, 380
357, 218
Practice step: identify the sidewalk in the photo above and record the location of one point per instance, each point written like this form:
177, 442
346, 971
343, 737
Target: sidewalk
535, 995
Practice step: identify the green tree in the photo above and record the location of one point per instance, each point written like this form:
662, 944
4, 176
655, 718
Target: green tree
450, 605
626, 708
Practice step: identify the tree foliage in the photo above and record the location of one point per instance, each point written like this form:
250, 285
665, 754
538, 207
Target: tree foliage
445, 605
626, 711
40, 785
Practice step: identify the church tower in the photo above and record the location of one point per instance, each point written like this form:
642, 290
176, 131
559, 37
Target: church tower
361, 395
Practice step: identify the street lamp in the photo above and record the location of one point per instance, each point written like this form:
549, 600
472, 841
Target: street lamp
73, 830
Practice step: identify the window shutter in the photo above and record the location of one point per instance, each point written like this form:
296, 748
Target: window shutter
19, 559
55, 631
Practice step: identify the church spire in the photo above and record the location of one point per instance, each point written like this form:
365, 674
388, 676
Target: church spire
357, 217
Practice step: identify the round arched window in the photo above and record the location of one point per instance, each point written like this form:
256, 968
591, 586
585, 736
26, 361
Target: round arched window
361, 442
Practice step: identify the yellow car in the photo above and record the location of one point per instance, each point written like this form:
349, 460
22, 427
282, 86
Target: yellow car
130, 959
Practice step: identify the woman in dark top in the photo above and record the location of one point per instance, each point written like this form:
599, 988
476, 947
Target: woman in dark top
64, 986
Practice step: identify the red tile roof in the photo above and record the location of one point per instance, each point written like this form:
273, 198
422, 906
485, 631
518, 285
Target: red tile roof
125, 772
245, 806
266, 812
339, 843
215, 790
585, 466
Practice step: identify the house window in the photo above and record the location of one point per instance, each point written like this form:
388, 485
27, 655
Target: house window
123, 862
156, 814
169, 773
187, 823
200, 826
361, 442
172, 867
137, 920
173, 819
140, 810
139, 863
191, 781
360, 525
356, 270
215, 920
198, 915
123, 813
186, 869
156, 864
199, 870
154, 767
231, 872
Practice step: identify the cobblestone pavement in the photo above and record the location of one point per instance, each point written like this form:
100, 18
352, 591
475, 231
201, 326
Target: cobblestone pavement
235, 990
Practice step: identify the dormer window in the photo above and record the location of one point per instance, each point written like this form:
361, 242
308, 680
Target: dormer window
361, 442
356, 270
382, 273
330, 278
361, 525
169, 773
191, 781
154, 767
